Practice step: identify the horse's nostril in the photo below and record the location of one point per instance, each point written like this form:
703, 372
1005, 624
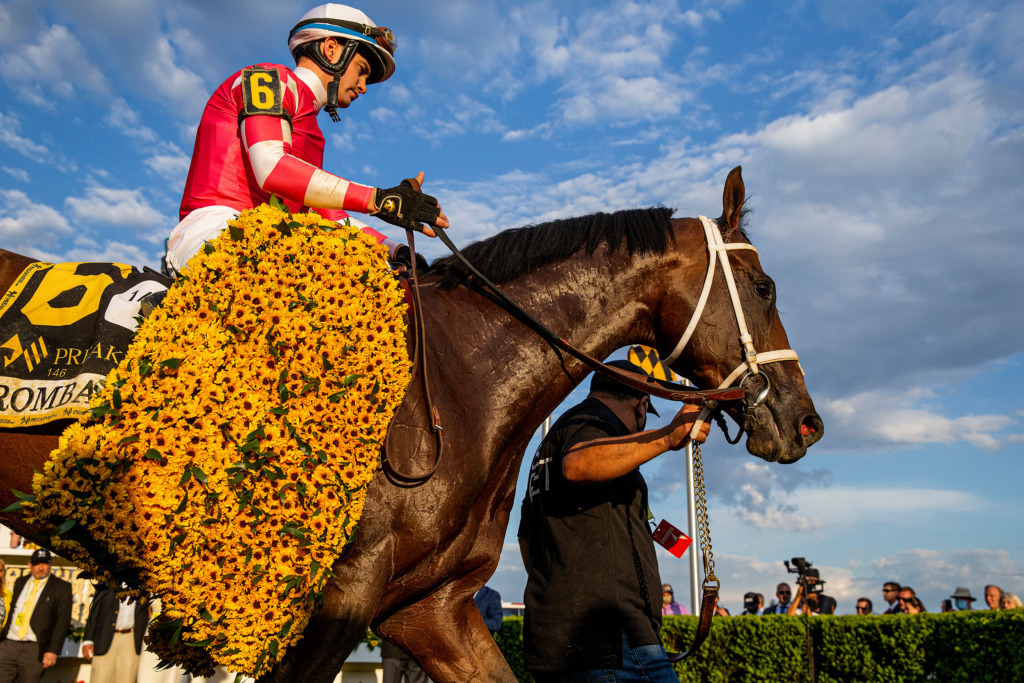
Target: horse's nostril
811, 426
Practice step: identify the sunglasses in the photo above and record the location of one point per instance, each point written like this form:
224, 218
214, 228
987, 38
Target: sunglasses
861, 608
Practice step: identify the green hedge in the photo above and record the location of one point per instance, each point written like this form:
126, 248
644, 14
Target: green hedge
958, 646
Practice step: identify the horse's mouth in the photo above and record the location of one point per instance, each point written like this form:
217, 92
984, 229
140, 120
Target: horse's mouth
768, 437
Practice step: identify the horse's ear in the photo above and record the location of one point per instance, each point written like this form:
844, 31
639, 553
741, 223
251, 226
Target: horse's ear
732, 198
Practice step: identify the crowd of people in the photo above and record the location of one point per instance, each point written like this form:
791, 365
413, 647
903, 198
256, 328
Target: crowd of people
897, 599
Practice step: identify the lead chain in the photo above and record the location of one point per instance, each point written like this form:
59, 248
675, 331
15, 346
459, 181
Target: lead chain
703, 529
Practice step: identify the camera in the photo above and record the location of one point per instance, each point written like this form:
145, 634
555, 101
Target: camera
807, 575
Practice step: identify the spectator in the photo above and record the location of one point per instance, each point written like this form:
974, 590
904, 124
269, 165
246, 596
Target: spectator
1010, 601
760, 603
913, 606
668, 602
113, 636
783, 592
962, 599
992, 594
586, 507
863, 606
488, 601
40, 617
721, 611
752, 605
906, 594
891, 593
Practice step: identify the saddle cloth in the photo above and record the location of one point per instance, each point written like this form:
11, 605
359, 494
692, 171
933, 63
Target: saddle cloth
63, 327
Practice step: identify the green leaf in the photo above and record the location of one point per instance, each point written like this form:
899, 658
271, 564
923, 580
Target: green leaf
65, 527
171, 363
175, 541
277, 203
115, 399
285, 228
208, 248
129, 439
154, 454
237, 234
23, 496
199, 474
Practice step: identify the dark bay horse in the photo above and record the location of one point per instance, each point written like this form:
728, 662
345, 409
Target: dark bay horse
602, 282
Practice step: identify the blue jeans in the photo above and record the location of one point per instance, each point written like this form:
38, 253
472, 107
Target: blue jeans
644, 664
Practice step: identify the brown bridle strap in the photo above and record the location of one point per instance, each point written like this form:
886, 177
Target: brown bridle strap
419, 365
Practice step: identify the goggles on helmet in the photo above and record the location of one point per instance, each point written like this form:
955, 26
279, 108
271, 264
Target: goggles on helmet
382, 35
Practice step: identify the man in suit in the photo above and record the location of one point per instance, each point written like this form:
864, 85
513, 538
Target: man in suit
113, 636
488, 601
40, 616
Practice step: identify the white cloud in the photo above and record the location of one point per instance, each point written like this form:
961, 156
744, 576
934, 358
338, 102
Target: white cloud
16, 173
29, 228
171, 167
10, 135
115, 207
56, 66
889, 417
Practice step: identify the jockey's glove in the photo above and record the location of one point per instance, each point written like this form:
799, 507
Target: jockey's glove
404, 206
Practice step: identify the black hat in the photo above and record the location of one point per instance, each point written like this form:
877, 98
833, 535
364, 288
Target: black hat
40, 556
750, 597
602, 382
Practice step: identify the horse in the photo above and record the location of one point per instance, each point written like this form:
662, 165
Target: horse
604, 281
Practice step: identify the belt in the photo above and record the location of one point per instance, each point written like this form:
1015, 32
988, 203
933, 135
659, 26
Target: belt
123, 630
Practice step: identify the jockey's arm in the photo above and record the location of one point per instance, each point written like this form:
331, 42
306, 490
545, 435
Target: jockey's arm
267, 141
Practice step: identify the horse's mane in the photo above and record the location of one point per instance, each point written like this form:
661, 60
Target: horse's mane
518, 251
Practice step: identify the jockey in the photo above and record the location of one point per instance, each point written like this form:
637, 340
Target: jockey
259, 136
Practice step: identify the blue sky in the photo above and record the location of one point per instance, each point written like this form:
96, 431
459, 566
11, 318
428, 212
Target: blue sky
882, 145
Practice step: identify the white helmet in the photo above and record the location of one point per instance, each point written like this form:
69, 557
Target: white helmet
354, 30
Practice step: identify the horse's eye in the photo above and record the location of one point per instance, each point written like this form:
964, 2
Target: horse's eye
764, 289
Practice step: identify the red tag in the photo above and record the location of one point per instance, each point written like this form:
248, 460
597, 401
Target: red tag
674, 540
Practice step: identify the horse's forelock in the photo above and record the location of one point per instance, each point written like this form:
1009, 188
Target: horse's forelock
518, 251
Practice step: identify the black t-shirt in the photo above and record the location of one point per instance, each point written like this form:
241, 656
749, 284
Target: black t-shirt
591, 551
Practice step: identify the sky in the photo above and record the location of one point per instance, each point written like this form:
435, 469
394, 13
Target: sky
882, 145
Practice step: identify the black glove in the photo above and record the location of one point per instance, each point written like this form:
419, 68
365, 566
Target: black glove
402, 259
405, 206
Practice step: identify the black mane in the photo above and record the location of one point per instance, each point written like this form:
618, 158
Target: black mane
520, 250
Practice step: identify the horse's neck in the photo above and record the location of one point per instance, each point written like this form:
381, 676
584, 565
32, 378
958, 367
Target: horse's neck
597, 303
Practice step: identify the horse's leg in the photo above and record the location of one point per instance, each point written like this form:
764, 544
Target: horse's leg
446, 633
350, 602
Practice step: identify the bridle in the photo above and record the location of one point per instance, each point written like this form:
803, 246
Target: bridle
718, 251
